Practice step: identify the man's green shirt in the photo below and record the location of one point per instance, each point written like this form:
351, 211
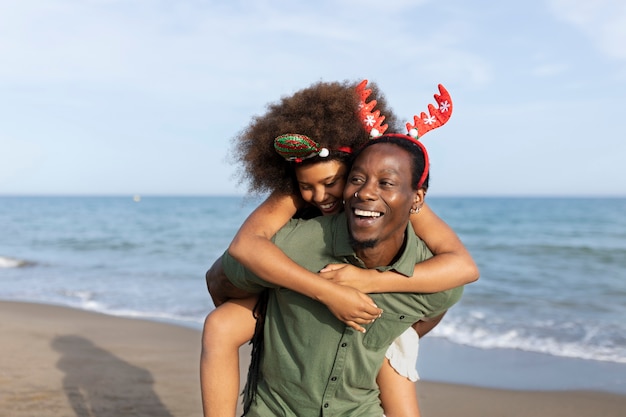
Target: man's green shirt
313, 364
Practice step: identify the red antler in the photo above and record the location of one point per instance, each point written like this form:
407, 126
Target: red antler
437, 118
372, 121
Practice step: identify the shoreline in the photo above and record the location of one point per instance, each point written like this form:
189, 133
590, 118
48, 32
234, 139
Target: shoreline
65, 361
516, 369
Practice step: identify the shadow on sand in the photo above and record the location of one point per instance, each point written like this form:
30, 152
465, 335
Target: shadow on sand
99, 384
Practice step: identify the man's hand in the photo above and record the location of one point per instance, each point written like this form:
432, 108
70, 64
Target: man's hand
219, 286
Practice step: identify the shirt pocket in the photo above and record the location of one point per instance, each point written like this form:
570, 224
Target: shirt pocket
386, 329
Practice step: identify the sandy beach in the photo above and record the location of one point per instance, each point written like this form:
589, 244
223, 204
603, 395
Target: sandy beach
61, 362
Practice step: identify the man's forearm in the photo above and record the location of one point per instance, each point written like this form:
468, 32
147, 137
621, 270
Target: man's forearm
220, 287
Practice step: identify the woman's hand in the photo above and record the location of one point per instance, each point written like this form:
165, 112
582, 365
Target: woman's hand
351, 306
348, 275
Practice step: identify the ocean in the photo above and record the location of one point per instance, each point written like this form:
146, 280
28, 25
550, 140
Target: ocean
553, 270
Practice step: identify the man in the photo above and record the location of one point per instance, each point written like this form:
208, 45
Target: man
312, 363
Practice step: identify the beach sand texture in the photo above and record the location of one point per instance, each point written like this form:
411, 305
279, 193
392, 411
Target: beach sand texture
61, 362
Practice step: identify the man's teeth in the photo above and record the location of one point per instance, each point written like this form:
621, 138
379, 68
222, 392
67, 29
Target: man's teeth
365, 213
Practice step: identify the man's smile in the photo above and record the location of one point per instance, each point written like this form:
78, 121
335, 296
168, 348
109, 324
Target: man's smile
367, 213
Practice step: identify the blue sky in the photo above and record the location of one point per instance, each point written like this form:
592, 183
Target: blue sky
144, 96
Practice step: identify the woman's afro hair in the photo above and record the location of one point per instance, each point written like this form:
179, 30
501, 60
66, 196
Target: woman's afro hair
326, 112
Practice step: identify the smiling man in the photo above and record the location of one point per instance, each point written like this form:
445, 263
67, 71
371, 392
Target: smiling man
313, 364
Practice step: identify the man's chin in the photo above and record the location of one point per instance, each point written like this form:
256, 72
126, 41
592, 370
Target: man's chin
362, 244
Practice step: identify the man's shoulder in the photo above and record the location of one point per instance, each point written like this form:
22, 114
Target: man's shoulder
295, 227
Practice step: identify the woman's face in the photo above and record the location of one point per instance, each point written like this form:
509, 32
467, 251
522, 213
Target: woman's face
321, 184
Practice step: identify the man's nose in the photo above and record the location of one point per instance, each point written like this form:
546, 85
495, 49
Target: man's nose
366, 192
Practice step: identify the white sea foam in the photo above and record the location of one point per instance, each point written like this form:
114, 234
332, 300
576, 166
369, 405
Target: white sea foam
160, 316
7, 262
83, 299
485, 337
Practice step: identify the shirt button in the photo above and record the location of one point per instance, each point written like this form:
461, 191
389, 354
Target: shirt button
326, 405
401, 317
344, 344
333, 378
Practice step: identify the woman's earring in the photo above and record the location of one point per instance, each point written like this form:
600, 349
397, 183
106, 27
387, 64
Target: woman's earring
356, 194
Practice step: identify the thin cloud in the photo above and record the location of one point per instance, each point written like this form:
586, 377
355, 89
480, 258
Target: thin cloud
140, 44
603, 21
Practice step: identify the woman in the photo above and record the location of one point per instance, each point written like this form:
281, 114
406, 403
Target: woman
306, 172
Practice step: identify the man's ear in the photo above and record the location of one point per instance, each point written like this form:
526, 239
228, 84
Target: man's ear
418, 199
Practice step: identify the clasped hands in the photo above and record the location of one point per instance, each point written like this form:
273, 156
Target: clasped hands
349, 301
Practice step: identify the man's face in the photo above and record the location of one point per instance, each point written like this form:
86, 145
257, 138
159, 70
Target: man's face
378, 216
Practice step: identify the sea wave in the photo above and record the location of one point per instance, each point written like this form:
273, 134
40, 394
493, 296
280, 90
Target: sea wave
605, 342
90, 300
85, 300
195, 322
559, 251
570, 340
94, 244
8, 262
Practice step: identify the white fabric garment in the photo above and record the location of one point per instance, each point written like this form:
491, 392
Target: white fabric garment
402, 354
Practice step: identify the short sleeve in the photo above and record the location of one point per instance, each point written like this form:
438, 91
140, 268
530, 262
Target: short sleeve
441, 301
241, 277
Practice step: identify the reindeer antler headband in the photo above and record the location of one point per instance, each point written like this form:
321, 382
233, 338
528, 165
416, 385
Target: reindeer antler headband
437, 117
372, 121
296, 148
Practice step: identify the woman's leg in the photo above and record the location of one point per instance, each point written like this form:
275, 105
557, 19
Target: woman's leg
397, 393
226, 329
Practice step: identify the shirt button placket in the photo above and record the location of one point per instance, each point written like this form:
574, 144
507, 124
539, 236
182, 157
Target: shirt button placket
337, 370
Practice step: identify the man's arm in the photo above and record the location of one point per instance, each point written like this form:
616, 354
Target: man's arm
427, 324
220, 288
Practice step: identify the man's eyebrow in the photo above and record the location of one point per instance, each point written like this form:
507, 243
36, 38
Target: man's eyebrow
392, 171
